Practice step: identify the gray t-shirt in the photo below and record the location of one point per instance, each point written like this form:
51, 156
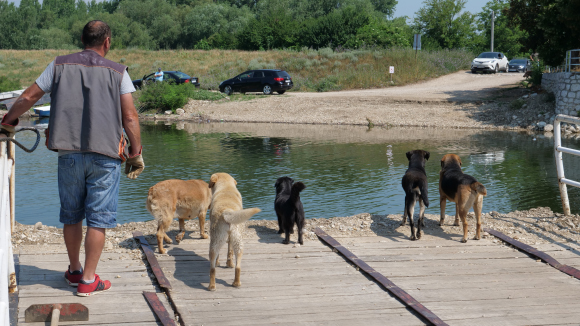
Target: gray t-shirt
45, 83
45, 80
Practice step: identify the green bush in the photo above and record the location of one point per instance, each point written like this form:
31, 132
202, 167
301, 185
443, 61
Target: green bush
536, 76
7, 85
167, 96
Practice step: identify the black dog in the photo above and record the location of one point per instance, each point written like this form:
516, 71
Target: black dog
415, 186
289, 207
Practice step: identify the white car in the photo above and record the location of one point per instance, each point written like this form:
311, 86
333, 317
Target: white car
490, 61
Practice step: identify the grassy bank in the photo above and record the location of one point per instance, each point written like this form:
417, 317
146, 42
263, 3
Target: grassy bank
311, 70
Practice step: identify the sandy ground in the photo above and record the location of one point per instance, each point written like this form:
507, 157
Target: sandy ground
452, 101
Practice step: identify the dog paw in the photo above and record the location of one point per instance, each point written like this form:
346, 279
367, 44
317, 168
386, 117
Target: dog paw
162, 251
413, 238
477, 238
280, 231
301, 242
211, 287
168, 241
285, 241
204, 236
418, 236
230, 263
403, 223
463, 240
237, 284
177, 240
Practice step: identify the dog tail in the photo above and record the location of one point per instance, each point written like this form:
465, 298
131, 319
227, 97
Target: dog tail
237, 217
296, 189
479, 188
423, 194
148, 203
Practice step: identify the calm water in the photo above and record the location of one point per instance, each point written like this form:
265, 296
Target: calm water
347, 170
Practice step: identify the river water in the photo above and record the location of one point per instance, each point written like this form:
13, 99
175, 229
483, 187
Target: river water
347, 170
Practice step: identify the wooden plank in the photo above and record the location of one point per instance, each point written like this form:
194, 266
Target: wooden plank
163, 281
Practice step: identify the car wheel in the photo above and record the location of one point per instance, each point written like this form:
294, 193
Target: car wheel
267, 90
496, 69
228, 90
473, 71
281, 92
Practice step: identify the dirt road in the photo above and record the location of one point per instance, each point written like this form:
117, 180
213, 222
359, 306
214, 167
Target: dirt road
448, 101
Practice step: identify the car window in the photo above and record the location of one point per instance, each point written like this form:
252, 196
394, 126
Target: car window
258, 74
518, 61
180, 74
282, 74
247, 75
488, 55
268, 74
169, 76
150, 76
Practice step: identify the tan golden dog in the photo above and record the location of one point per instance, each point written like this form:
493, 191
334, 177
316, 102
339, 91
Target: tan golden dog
182, 199
226, 224
463, 190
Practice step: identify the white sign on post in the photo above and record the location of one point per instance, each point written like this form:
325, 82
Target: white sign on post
417, 42
391, 69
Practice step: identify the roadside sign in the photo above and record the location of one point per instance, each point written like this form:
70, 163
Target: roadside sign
391, 69
417, 42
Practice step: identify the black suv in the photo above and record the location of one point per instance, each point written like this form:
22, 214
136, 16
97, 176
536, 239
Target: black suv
262, 80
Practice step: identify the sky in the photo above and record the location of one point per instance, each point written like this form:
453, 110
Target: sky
406, 7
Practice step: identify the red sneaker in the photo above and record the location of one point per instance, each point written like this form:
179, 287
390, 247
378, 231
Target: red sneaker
73, 278
85, 290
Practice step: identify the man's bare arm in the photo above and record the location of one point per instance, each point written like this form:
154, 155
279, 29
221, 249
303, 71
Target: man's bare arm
24, 102
131, 123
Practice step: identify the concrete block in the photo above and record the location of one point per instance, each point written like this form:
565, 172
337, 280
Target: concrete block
575, 87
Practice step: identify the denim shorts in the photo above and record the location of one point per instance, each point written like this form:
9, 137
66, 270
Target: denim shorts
88, 185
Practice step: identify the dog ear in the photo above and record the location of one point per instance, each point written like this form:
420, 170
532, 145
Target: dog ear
213, 180
442, 162
427, 154
409, 154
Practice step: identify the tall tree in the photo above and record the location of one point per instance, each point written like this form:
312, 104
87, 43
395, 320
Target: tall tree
552, 26
444, 25
507, 38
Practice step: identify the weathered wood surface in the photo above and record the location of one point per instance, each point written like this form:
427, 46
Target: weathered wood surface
477, 283
42, 281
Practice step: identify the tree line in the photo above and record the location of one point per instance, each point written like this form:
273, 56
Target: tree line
521, 26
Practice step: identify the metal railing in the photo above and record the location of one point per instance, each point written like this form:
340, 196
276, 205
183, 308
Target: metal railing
573, 60
558, 150
7, 271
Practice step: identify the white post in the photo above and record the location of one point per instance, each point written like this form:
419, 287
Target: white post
5, 243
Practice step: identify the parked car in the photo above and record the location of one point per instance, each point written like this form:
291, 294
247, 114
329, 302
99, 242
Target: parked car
490, 62
520, 65
262, 80
177, 77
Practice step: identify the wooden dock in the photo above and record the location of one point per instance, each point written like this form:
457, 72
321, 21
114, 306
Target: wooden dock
478, 283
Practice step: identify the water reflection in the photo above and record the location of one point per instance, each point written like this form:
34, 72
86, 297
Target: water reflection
347, 169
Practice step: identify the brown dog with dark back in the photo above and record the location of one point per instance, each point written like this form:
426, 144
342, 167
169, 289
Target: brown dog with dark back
462, 189
182, 199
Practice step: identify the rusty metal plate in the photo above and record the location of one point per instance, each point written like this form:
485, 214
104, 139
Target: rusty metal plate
403, 296
536, 253
68, 312
159, 309
163, 281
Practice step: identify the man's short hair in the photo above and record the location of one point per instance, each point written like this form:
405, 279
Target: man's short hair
95, 33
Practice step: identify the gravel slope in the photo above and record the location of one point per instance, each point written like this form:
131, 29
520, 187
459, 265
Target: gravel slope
450, 101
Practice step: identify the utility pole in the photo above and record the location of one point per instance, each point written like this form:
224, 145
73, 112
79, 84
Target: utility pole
492, 26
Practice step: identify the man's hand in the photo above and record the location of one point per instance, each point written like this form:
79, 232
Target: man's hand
6, 129
134, 166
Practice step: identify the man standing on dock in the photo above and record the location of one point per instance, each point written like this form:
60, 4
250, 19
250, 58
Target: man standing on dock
91, 106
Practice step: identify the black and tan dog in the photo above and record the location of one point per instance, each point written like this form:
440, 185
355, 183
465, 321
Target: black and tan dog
415, 185
463, 190
289, 208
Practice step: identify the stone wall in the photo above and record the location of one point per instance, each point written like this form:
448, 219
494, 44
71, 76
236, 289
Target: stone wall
566, 88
